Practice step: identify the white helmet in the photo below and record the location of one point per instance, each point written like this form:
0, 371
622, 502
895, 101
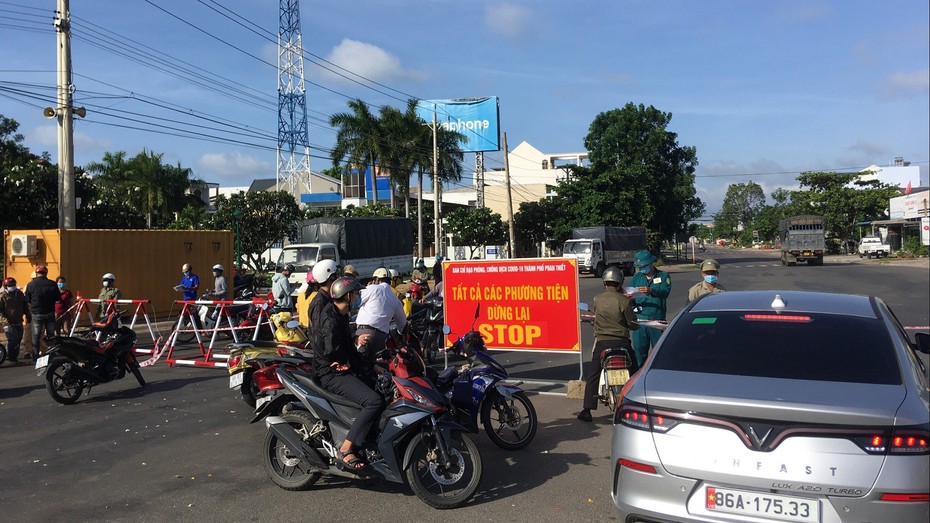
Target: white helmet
394, 273
218, 267
324, 269
379, 273
109, 276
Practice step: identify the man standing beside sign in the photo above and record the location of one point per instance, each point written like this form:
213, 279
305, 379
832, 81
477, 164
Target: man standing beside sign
652, 289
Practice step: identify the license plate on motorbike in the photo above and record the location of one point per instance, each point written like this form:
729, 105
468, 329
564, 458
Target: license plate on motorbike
617, 377
261, 400
762, 504
235, 380
41, 363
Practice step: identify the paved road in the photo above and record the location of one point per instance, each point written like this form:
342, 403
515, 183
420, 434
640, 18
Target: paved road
181, 449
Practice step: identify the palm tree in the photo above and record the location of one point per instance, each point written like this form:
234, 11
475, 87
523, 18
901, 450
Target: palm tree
358, 141
408, 147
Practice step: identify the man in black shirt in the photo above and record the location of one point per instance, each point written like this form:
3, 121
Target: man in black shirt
41, 295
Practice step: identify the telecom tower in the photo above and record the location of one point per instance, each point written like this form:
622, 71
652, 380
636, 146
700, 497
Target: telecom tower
293, 143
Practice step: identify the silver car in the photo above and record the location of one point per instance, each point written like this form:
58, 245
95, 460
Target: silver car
770, 406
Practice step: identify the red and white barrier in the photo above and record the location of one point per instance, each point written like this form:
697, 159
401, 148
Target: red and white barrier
83, 305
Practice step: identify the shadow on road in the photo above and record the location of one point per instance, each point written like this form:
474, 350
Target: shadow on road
128, 387
17, 392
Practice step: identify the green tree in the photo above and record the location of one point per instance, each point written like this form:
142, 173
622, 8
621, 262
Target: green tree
28, 183
476, 227
639, 175
741, 204
535, 221
267, 217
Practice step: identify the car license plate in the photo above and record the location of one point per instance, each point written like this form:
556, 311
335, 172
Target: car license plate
41, 363
764, 505
617, 377
235, 381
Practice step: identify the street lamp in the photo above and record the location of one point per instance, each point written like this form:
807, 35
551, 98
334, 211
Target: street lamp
237, 215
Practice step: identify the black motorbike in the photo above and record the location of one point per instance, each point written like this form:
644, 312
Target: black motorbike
426, 322
73, 364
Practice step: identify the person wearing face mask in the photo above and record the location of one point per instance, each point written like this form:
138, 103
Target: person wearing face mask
708, 285
13, 308
654, 286
108, 292
62, 308
190, 282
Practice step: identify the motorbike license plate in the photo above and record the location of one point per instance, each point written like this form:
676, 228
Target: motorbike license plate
41, 363
617, 377
763, 505
261, 400
235, 380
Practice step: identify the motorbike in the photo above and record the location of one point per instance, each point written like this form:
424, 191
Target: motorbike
415, 441
73, 364
617, 364
244, 358
477, 389
426, 323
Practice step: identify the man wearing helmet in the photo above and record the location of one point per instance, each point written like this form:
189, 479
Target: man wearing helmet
108, 291
281, 288
336, 361
13, 307
378, 308
220, 288
325, 273
190, 282
42, 294
708, 284
613, 321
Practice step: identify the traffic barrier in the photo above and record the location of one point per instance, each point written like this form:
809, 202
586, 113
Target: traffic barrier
141, 309
189, 321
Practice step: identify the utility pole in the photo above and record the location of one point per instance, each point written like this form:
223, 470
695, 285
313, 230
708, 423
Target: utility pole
66, 200
437, 197
512, 247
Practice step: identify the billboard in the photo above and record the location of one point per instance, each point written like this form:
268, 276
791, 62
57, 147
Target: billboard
526, 304
476, 118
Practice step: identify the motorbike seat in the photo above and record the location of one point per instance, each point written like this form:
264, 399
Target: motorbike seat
313, 383
444, 377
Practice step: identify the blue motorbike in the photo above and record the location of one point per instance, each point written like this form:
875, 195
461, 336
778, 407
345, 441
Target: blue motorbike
477, 388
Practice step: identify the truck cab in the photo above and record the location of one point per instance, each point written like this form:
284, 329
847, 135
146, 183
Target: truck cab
589, 252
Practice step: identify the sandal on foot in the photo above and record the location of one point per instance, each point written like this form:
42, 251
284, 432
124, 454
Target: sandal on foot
352, 464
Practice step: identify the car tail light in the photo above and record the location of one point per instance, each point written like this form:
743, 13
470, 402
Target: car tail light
915, 497
638, 417
901, 441
635, 465
777, 317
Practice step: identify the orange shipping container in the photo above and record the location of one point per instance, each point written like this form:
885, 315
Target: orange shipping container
146, 263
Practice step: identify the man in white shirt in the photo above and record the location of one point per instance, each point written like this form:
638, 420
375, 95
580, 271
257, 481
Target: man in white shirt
378, 308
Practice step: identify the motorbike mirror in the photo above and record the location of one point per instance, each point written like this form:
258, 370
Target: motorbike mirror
477, 310
446, 330
293, 324
583, 306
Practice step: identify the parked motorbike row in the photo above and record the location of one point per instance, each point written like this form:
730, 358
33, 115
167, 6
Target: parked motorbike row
421, 437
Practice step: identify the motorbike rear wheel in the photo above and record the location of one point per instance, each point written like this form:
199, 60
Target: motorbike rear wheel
438, 486
510, 423
62, 384
133, 365
2, 353
287, 470
248, 388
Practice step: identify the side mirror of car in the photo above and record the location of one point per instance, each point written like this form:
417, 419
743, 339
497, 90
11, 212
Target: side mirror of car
922, 340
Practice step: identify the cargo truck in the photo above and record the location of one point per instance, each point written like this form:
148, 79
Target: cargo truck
366, 243
596, 248
802, 239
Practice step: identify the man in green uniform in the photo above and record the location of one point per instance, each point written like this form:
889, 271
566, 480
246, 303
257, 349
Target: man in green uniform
653, 287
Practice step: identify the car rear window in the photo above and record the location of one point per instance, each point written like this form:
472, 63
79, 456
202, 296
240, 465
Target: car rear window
804, 347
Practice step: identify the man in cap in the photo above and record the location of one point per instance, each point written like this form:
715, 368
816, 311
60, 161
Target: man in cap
350, 271
653, 287
708, 285
41, 295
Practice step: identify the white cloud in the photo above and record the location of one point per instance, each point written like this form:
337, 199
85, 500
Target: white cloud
905, 84
369, 61
507, 19
233, 167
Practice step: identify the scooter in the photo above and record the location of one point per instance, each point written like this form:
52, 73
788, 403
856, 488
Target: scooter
244, 361
617, 364
415, 440
74, 364
425, 321
478, 389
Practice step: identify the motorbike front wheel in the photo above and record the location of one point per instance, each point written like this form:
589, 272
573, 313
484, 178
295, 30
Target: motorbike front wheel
62, 384
133, 365
284, 467
510, 423
439, 486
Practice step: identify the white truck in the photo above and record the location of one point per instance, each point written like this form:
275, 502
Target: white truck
596, 248
872, 246
365, 243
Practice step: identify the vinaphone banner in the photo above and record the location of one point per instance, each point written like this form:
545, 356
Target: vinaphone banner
525, 304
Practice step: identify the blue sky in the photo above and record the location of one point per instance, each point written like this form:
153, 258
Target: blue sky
762, 89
